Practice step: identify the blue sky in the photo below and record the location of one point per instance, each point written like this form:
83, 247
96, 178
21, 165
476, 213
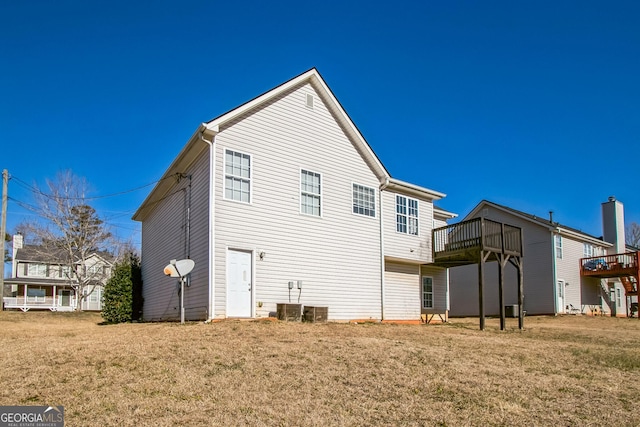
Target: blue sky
532, 104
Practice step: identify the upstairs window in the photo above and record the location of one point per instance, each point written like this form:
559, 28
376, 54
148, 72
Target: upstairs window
37, 270
406, 215
95, 270
310, 193
237, 176
558, 246
66, 272
588, 250
364, 200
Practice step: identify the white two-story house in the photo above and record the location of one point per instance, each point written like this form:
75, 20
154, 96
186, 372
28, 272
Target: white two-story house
38, 283
282, 200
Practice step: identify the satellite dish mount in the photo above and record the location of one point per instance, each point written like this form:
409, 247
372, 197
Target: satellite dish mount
180, 269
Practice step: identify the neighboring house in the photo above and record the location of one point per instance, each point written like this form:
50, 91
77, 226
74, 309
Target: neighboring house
554, 282
36, 283
285, 191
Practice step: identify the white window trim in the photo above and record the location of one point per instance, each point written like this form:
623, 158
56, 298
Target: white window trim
558, 239
585, 252
375, 201
422, 292
395, 211
36, 267
224, 175
310, 170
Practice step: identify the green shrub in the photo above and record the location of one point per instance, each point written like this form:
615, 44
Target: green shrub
117, 299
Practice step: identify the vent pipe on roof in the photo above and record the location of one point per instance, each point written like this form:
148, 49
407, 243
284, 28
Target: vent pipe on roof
551, 217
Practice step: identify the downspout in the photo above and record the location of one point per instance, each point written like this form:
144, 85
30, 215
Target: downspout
211, 225
382, 264
554, 273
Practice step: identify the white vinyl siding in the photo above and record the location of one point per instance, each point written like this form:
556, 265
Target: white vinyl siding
364, 200
237, 178
402, 291
164, 238
339, 268
403, 246
310, 193
440, 289
568, 269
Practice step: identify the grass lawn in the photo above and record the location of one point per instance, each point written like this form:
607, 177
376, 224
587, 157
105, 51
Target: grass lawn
565, 371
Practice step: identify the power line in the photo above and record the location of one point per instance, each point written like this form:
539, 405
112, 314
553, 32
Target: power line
36, 190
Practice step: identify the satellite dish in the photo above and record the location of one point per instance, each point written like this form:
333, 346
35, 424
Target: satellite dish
179, 268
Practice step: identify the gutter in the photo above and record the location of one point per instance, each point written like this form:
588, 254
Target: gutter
382, 263
212, 216
554, 272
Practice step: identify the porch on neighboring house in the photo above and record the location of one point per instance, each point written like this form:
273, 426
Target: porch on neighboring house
623, 266
19, 295
477, 241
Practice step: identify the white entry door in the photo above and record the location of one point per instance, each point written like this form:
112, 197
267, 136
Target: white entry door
561, 296
239, 284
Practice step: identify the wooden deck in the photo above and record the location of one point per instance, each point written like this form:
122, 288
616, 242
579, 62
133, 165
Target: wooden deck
623, 266
461, 243
478, 241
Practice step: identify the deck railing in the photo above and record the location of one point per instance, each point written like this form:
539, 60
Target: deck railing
610, 265
477, 234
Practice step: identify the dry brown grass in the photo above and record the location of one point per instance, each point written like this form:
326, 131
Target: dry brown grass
559, 371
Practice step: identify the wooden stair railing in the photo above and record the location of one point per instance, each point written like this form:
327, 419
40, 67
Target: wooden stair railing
630, 287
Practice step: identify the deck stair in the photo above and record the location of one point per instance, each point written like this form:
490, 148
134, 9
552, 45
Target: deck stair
630, 285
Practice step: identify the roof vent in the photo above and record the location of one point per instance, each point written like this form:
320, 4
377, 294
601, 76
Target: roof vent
612, 198
309, 100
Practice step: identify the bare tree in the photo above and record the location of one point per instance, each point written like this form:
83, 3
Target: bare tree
632, 234
69, 232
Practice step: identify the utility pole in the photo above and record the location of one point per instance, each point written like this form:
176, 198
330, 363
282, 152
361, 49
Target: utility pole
3, 226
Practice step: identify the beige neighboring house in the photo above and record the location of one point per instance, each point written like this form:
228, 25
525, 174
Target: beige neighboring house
557, 261
36, 283
284, 191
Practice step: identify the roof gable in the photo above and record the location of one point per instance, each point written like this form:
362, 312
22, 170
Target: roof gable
35, 253
196, 143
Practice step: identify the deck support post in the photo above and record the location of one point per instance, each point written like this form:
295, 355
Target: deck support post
501, 264
481, 290
520, 295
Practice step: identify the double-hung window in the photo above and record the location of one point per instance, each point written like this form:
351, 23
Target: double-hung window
588, 250
406, 215
558, 246
310, 193
364, 200
37, 270
237, 176
427, 292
